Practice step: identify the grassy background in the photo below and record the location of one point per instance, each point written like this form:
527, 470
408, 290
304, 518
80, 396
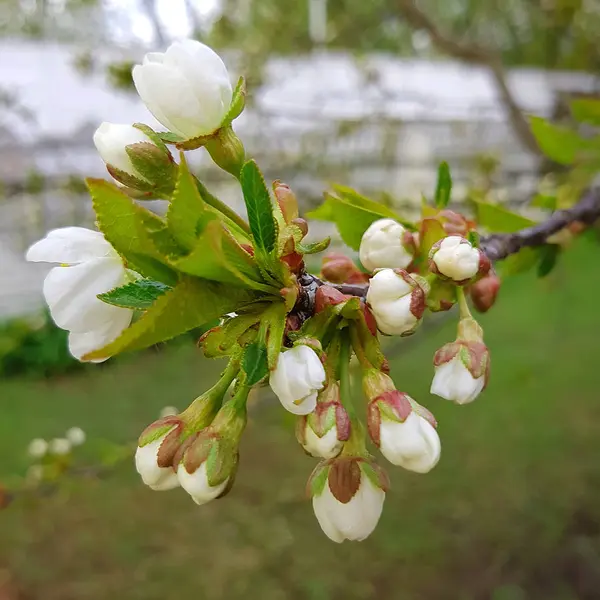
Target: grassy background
511, 512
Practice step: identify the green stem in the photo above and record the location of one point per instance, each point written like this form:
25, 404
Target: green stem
222, 207
358, 348
465, 313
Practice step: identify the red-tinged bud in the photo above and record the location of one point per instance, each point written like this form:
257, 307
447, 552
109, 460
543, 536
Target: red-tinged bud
248, 248
454, 223
301, 224
339, 268
294, 261
577, 227
393, 405
286, 199
292, 323
485, 291
328, 296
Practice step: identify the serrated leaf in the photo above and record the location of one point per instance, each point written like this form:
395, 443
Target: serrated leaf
125, 225
314, 247
170, 138
190, 304
498, 219
352, 214
560, 144
187, 209
254, 363
548, 257
586, 110
259, 206
444, 186
139, 295
238, 102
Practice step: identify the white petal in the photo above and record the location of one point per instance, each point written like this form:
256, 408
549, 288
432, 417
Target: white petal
327, 446
70, 246
453, 381
381, 246
71, 294
303, 406
197, 486
386, 285
157, 478
456, 258
81, 344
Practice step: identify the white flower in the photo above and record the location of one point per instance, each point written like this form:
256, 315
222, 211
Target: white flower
89, 266
146, 463
328, 446
37, 448
187, 88
397, 301
112, 140
354, 519
168, 411
453, 381
59, 446
197, 486
413, 444
297, 379
455, 258
382, 246
76, 436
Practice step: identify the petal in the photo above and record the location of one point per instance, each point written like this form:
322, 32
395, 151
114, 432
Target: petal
170, 98
111, 141
81, 344
325, 506
157, 478
70, 245
71, 294
197, 486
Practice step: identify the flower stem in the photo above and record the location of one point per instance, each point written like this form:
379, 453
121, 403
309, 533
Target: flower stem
222, 207
465, 313
358, 348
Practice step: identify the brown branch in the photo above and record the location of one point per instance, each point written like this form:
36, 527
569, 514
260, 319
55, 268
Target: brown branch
475, 54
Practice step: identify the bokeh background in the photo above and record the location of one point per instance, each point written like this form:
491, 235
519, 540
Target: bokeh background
358, 92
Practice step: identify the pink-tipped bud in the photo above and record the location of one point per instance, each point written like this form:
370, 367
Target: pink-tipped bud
485, 291
339, 268
286, 199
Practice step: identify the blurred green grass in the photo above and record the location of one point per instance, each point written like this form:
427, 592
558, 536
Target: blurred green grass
512, 511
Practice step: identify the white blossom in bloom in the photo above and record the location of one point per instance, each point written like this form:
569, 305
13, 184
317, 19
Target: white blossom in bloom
88, 266
456, 258
413, 444
168, 411
37, 448
59, 446
453, 381
187, 88
197, 486
76, 436
352, 520
397, 301
297, 379
382, 246
111, 141
146, 463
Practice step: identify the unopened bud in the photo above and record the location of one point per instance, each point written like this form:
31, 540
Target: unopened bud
485, 291
328, 296
339, 268
455, 258
454, 223
382, 246
227, 150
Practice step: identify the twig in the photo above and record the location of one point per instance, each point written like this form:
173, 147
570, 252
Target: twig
475, 54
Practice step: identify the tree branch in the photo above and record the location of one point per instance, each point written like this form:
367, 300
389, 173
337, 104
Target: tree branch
475, 54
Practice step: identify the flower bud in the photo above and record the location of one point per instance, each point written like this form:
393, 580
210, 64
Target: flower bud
297, 379
404, 431
37, 448
322, 433
455, 258
156, 450
339, 268
187, 88
383, 246
76, 436
286, 199
328, 296
461, 369
134, 159
454, 223
59, 446
348, 495
397, 301
484, 292
227, 150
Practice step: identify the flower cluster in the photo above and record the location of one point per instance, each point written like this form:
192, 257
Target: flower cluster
143, 279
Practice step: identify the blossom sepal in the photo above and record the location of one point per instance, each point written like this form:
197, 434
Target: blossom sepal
392, 406
473, 355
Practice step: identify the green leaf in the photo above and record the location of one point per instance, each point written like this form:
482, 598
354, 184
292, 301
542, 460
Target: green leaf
498, 219
352, 214
545, 201
524, 260
560, 144
314, 247
187, 209
548, 257
586, 110
259, 206
444, 186
139, 295
170, 138
255, 363
126, 226
432, 231
238, 102
218, 257
473, 237
190, 304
